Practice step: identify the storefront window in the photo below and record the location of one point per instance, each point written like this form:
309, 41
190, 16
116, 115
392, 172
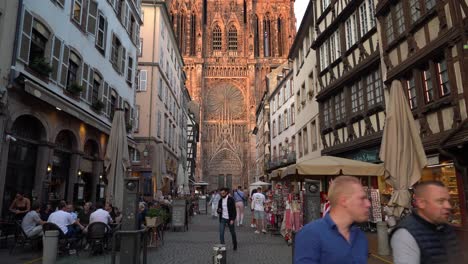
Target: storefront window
445, 173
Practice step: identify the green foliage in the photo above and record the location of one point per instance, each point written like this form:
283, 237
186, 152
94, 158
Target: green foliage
158, 212
41, 66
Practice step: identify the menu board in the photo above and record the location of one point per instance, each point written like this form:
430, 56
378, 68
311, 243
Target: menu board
202, 205
178, 213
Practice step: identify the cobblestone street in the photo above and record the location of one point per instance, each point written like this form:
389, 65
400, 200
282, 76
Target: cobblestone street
195, 247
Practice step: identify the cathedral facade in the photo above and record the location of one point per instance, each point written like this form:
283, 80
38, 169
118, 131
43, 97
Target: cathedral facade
229, 46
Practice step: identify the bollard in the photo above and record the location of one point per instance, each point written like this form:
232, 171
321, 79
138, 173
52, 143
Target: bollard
219, 256
49, 251
382, 236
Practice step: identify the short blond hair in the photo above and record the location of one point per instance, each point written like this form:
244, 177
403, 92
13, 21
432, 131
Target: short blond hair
339, 187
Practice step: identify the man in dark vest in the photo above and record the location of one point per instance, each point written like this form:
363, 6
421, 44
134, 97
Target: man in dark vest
227, 215
425, 236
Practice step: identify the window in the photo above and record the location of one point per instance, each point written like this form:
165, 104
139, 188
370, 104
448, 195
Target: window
374, 88
292, 111
256, 36
135, 155
351, 31
77, 10
371, 13
444, 84
92, 17
193, 29
130, 70
101, 32
158, 125
143, 79
267, 40
305, 137
399, 18
286, 118
325, 4
74, 64
428, 88
389, 32
430, 4
232, 35
411, 86
340, 111
140, 47
301, 144
415, 8
116, 47
97, 82
217, 38
137, 118
334, 47
313, 135
39, 40
364, 18
273, 128
280, 124
113, 103
357, 92
280, 37
326, 114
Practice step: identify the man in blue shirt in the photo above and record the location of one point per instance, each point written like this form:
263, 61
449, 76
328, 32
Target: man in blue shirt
333, 239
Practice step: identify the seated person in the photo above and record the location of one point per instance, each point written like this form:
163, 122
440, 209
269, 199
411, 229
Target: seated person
110, 209
64, 220
20, 206
71, 210
32, 223
84, 214
100, 215
46, 211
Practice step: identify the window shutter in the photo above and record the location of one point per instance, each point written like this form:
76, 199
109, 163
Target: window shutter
105, 99
56, 59
61, 2
85, 82
137, 117
119, 102
123, 12
90, 85
64, 72
25, 45
122, 60
92, 17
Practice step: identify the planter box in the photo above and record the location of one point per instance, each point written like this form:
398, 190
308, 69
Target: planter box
152, 221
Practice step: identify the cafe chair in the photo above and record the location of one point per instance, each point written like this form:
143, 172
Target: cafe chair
97, 237
21, 239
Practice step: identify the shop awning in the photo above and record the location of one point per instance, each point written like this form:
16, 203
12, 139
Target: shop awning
277, 173
200, 183
333, 166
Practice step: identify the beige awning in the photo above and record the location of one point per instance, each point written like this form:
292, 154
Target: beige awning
116, 160
401, 150
333, 166
277, 173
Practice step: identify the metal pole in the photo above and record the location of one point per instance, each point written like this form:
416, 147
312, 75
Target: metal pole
49, 251
382, 236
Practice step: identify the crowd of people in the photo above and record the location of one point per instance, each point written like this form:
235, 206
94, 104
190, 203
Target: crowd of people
71, 221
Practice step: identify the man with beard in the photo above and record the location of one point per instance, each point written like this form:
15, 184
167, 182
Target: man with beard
334, 239
425, 236
227, 215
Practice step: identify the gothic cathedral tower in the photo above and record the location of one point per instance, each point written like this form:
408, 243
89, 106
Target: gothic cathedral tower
229, 46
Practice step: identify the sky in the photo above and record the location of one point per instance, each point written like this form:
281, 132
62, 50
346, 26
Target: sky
300, 7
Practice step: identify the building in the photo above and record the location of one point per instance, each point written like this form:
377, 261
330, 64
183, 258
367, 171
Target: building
74, 64
228, 48
282, 118
350, 87
262, 139
424, 51
8, 18
307, 121
161, 99
193, 124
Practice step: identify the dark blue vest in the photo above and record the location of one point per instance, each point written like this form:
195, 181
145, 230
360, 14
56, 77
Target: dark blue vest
437, 243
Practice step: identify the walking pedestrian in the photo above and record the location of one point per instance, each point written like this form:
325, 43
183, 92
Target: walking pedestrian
425, 236
227, 215
258, 205
253, 223
239, 197
334, 239
214, 200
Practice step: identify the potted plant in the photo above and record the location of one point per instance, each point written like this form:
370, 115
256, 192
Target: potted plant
156, 216
97, 105
129, 126
75, 88
41, 66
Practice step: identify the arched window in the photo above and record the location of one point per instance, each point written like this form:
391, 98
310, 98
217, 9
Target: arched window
256, 37
217, 38
181, 32
267, 36
74, 64
232, 36
280, 37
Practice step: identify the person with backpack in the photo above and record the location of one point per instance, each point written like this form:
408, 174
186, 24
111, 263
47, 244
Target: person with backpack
239, 197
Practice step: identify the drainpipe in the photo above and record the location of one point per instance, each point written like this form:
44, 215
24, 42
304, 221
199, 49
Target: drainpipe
15, 44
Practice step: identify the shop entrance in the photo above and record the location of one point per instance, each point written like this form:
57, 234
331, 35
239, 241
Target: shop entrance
65, 142
88, 186
22, 155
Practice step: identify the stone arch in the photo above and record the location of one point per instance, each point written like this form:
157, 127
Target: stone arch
29, 126
225, 168
66, 140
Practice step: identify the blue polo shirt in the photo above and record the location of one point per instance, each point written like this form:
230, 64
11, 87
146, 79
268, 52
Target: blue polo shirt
320, 242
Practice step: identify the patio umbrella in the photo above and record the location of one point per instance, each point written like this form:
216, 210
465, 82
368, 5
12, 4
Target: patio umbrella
158, 169
116, 160
333, 166
401, 151
260, 183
